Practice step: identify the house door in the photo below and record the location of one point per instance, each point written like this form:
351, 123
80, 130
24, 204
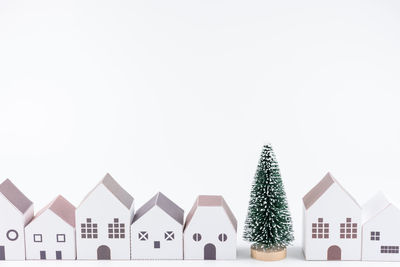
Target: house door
209, 252
58, 255
103, 253
334, 253
42, 255
2, 253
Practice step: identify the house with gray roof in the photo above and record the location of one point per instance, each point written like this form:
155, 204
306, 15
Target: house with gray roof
156, 230
17, 211
103, 222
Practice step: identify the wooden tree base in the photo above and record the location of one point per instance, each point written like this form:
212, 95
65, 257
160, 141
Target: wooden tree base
268, 255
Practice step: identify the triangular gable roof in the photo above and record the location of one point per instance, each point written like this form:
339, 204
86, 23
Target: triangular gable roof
374, 206
124, 197
163, 203
211, 201
115, 189
16, 197
317, 191
62, 208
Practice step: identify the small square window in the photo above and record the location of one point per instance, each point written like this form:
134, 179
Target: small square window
37, 238
341, 235
143, 236
110, 225
94, 235
95, 225
122, 235
319, 235
326, 236
94, 231
320, 220
89, 236
83, 236
314, 225
115, 220
88, 220
83, 225
156, 244
314, 236
110, 236
60, 237
354, 236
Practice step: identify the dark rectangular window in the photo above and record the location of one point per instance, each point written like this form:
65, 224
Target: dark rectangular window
42, 255
58, 255
156, 244
390, 249
375, 236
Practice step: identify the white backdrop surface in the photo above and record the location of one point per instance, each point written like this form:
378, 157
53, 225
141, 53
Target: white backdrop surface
179, 96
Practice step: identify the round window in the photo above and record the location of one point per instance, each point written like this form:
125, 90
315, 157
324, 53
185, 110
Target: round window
197, 237
12, 235
222, 237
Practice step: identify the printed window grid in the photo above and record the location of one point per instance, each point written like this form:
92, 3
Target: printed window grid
390, 249
89, 230
320, 230
348, 230
375, 236
116, 229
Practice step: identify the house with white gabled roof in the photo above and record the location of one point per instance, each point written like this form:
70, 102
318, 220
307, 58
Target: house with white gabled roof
210, 230
16, 212
51, 233
103, 222
332, 223
156, 230
381, 232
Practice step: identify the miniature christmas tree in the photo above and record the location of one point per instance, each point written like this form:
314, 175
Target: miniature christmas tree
268, 223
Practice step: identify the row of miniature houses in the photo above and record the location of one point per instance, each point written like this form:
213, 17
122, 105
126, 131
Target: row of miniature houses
106, 226
336, 227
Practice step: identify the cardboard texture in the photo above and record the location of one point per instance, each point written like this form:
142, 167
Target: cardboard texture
210, 230
16, 212
332, 223
103, 222
157, 230
51, 233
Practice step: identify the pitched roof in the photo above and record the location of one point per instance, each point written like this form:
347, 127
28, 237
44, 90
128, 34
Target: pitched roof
374, 206
124, 197
317, 191
12, 193
211, 201
163, 203
62, 208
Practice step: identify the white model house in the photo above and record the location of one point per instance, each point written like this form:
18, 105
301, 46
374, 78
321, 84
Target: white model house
16, 210
156, 231
210, 230
381, 231
51, 233
103, 222
332, 223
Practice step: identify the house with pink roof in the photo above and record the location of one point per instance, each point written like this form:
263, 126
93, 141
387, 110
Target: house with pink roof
51, 233
381, 232
16, 212
210, 230
332, 223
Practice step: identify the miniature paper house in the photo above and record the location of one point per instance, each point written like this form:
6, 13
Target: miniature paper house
210, 230
103, 222
381, 232
156, 231
51, 233
16, 211
332, 223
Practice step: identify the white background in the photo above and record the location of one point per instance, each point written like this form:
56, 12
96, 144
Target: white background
179, 97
